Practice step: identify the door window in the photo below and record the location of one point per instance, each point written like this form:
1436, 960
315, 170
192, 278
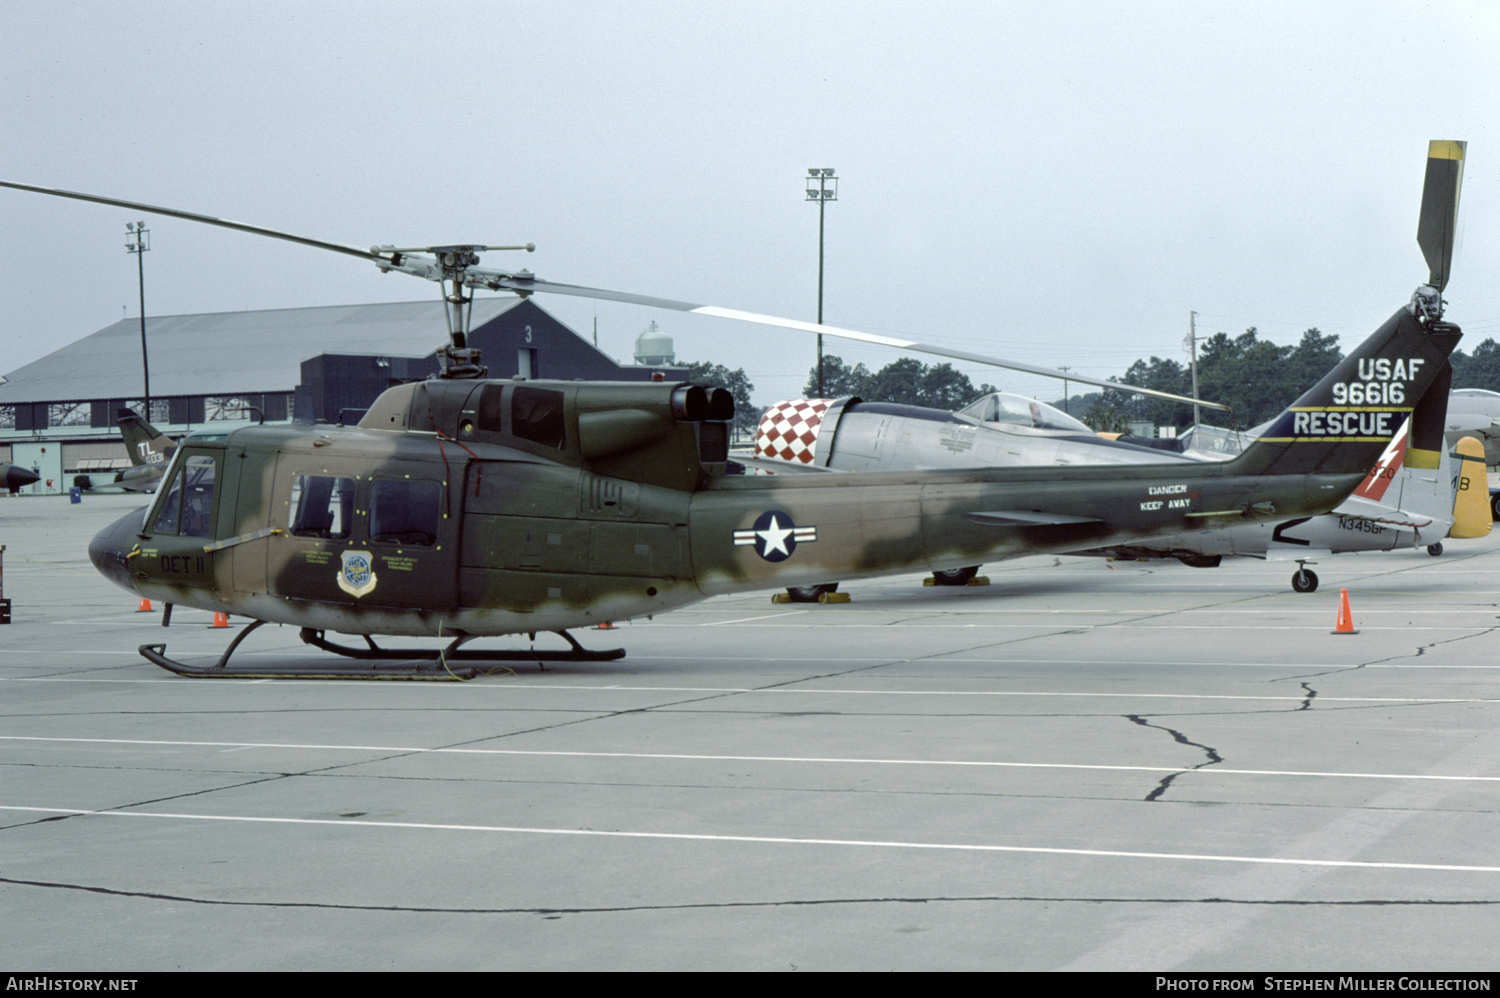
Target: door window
322, 506
405, 511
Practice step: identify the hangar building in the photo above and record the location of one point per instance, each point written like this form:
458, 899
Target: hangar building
57, 414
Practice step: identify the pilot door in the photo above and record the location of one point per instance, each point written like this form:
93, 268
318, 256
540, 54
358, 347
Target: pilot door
381, 540
181, 523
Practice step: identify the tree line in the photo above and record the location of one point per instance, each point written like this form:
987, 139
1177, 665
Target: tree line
1257, 378
907, 381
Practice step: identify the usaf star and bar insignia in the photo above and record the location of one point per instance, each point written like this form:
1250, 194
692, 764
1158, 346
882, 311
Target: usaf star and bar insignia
775, 536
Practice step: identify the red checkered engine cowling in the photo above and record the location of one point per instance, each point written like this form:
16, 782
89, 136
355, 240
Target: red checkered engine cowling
789, 430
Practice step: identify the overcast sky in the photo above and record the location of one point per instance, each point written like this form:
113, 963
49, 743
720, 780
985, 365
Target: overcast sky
1050, 182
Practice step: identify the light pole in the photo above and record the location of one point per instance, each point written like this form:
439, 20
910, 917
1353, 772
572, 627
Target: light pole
138, 241
827, 190
1192, 344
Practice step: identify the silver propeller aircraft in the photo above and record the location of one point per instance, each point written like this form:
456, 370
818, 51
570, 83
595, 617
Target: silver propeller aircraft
1475, 412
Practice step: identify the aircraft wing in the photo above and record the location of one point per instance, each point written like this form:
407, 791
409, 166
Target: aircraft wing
1289, 552
1025, 518
775, 465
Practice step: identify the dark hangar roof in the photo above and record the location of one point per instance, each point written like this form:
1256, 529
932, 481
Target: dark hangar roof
224, 353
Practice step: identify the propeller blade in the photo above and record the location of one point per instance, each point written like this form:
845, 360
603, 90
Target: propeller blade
529, 285
1445, 173
194, 217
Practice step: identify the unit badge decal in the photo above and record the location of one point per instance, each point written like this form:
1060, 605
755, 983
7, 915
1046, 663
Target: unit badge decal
775, 536
357, 573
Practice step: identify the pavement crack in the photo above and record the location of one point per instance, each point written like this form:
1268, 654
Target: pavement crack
1213, 756
781, 903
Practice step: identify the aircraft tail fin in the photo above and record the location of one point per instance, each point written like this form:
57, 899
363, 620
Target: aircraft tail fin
144, 443
1415, 474
1471, 506
1344, 422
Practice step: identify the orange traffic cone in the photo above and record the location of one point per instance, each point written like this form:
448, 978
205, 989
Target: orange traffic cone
1345, 623
144, 607
221, 619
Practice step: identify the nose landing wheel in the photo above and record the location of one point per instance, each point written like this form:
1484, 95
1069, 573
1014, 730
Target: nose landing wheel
1304, 581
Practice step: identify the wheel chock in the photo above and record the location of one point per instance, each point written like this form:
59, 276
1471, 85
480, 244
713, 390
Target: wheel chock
978, 580
781, 597
833, 598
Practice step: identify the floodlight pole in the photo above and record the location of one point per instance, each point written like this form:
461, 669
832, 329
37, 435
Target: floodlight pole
138, 241
826, 191
1193, 348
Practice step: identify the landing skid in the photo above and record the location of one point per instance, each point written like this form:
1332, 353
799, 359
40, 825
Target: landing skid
436, 667
452, 652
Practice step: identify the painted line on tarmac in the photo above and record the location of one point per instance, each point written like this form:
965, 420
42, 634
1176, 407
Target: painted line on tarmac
968, 847
695, 757
764, 616
1157, 663
784, 691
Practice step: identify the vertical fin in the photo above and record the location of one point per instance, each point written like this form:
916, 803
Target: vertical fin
1471, 506
144, 443
1344, 422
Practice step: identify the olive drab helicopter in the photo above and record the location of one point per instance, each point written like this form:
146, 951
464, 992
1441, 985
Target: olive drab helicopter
464, 507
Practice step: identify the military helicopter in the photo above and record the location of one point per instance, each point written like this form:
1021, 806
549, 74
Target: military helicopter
464, 507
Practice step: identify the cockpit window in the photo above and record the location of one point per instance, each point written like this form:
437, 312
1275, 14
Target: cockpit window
187, 509
1216, 439
1017, 410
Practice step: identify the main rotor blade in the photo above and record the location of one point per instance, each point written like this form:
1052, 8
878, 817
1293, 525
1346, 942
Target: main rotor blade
528, 285
389, 258
1440, 190
194, 217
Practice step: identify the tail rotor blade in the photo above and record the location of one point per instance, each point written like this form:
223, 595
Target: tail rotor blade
1445, 171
